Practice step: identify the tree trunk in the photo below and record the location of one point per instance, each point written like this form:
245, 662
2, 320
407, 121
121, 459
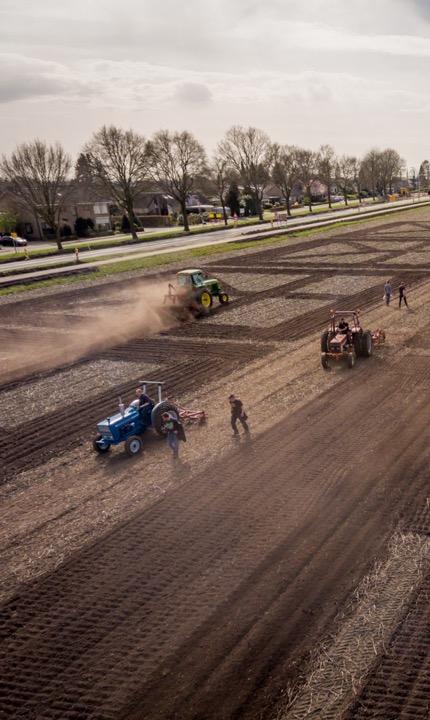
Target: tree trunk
56, 228
287, 199
58, 238
132, 228
185, 217
224, 213
309, 198
259, 208
130, 215
345, 197
329, 195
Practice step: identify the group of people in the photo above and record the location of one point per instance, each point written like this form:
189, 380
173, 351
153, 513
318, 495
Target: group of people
174, 429
388, 292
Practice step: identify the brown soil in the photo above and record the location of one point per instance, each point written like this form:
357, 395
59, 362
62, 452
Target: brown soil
198, 593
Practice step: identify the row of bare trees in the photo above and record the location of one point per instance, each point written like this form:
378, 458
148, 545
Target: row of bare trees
117, 164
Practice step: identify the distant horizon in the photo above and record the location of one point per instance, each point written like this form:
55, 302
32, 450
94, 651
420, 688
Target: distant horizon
354, 77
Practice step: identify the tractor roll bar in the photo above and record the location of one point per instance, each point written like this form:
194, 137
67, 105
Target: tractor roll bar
158, 383
344, 312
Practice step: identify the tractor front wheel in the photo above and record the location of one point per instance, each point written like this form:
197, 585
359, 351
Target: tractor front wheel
133, 445
223, 298
324, 361
351, 360
99, 447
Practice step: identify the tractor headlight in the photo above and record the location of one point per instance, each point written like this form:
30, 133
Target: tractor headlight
105, 432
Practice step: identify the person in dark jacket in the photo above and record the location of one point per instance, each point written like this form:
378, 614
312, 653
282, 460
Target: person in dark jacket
143, 398
343, 326
238, 413
175, 433
402, 294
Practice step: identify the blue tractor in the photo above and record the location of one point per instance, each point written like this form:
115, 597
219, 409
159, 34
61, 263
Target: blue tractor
129, 424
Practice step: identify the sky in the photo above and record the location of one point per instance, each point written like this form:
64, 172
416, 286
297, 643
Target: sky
352, 74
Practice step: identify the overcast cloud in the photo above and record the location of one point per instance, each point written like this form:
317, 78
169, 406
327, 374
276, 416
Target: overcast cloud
351, 74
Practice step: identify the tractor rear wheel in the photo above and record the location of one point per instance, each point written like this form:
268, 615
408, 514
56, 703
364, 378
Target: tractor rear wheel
201, 303
133, 445
324, 361
324, 341
366, 344
358, 343
157, 412
204, 299
351, 359
102, 449
223, 298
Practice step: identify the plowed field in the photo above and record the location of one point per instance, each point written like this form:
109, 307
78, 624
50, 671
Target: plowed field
205, 601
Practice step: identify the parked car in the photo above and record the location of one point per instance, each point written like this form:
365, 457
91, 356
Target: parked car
9, 241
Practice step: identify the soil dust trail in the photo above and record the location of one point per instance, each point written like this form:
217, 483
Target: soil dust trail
114, 318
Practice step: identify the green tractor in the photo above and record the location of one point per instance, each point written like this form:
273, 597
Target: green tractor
194, 293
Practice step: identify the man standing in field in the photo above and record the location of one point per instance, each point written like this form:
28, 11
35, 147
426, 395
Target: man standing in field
388, 291
402, 295
238, 413
174, 432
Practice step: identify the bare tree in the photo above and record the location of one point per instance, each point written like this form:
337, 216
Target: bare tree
326, 164
250, 152
371, 171
38, 177
345, 174
307, 168
222, 175
356, 163
286, 171
391, 165
118, 162
424, 175
177, 160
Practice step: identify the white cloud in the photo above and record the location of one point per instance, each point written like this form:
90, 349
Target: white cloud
139, 85
25, 78
311, 36
328, 70
193, 92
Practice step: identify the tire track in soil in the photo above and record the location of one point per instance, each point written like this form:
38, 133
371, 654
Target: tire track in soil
399, 688
222, 584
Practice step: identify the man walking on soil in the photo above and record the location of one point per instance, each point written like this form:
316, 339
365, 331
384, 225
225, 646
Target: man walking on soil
388, 291
402, 295
238, 413
174, 431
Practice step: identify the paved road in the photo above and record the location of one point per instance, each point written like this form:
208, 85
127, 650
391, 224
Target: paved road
201, 239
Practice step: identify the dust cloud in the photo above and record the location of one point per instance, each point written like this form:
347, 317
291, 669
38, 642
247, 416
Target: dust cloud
108, 319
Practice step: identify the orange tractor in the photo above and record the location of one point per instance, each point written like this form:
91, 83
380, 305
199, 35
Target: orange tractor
346, 340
